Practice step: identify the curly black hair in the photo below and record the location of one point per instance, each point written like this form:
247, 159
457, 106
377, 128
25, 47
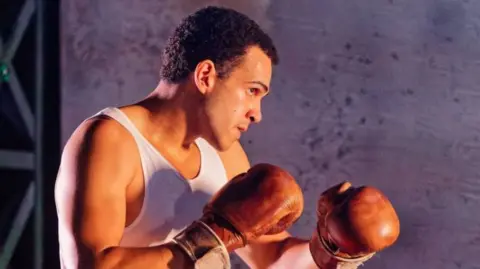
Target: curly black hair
219, 34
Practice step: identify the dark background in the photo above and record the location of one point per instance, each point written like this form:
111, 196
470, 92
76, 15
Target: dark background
13, 136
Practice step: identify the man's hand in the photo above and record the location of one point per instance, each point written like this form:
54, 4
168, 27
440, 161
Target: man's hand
353, 225
265, 200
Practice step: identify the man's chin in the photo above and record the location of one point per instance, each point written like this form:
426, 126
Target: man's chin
224, 148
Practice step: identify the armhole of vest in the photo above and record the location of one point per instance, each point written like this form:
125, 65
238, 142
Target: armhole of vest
128, 126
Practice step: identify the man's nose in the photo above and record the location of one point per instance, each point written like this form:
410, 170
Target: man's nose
255, 114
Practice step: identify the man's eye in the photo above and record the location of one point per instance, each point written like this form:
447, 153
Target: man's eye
253, 91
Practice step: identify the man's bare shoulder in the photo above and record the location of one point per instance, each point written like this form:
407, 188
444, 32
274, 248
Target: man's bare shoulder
98, 142
235, 160
101, 131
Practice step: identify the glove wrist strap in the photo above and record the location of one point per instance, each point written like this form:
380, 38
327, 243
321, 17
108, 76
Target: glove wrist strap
203, 246
325, 256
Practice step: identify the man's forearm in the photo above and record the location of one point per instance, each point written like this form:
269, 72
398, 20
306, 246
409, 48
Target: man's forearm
287, 252
159, 257
294, 253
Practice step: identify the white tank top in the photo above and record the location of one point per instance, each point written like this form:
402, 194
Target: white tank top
171, 202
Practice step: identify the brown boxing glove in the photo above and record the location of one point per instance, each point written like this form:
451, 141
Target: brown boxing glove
353, 225
265, 200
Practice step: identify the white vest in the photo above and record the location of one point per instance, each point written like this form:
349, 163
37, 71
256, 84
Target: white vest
171, 202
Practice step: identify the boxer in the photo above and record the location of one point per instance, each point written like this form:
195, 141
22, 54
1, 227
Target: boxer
165, 183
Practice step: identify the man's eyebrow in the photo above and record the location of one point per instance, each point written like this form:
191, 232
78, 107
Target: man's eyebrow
265, 87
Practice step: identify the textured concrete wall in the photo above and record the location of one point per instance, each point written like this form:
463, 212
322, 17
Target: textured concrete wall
376, 92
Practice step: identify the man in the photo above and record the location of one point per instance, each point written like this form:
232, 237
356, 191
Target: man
132, 178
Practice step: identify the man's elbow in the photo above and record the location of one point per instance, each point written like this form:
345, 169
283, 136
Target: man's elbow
108, 258
83, 257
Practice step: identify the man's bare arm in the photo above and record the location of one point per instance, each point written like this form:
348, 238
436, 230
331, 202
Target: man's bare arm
283, 251
164, 256
91, 201
269, 251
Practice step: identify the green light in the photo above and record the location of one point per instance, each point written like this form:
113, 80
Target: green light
4, 74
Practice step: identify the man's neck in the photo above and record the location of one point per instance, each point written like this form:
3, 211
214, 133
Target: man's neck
171, 116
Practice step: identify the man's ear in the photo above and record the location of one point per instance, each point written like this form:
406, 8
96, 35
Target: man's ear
205, 76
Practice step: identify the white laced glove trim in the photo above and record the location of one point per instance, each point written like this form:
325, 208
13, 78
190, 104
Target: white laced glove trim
203, 246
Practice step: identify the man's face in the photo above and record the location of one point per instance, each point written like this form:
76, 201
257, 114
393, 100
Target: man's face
235, 102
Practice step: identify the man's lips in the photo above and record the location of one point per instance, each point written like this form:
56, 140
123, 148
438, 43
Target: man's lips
242, 128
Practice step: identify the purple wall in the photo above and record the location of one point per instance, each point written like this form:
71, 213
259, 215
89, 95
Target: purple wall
383, 93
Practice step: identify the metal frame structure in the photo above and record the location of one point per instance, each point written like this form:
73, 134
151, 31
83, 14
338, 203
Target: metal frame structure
33, 200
